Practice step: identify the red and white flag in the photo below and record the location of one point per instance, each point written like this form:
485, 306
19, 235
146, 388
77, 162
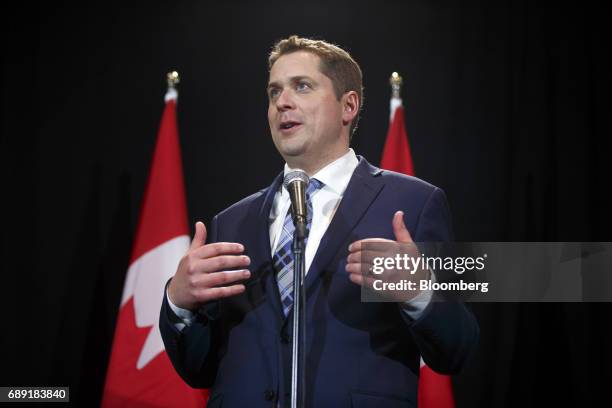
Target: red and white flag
435, 390
139, 372
396, 154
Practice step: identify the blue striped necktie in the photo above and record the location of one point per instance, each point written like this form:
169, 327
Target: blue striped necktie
283, 256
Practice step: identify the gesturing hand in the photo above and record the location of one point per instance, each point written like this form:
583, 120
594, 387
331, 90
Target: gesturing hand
364, 254
202, 274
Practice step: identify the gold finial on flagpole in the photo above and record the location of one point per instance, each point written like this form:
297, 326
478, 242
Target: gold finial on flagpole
396, 83
173, 79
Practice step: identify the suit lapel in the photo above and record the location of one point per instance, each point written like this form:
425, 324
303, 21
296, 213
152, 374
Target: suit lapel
264, 249
264, 216
360, 193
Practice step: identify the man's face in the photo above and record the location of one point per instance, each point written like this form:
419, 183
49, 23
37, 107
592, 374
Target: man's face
305, 116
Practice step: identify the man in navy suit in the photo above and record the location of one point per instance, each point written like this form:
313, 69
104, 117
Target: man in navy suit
225, 318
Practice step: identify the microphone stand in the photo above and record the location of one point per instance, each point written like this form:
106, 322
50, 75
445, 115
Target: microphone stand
298, 366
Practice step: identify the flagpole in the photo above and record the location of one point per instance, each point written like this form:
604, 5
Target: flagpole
173, 79
396, 83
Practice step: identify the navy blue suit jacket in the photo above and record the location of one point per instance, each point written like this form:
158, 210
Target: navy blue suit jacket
358, 354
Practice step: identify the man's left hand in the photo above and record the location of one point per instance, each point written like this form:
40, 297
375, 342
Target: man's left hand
361, 262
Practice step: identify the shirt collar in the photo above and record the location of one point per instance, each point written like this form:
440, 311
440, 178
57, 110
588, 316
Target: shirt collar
337, 174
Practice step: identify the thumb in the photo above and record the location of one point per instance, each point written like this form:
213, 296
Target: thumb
399, 228
199, 238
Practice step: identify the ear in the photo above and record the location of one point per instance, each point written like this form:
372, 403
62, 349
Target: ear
350, 107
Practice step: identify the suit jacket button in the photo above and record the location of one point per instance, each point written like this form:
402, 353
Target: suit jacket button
268, 395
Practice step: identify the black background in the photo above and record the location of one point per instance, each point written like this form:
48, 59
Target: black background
505, 109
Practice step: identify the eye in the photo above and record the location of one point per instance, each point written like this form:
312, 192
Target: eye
302, 86
273, 93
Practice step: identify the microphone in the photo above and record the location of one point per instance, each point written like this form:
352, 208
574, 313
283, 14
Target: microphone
296, 182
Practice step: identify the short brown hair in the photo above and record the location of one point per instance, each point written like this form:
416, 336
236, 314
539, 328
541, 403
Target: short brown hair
336, 64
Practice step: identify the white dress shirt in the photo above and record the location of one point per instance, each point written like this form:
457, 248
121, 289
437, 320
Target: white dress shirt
335, 178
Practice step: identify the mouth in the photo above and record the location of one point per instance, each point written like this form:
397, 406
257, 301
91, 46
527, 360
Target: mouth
289, 126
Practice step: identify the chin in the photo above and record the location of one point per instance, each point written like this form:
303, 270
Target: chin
292, 152
291, 148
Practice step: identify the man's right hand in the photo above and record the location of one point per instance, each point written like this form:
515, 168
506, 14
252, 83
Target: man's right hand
203, 270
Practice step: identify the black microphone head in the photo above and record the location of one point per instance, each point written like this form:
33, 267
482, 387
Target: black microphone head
296, 175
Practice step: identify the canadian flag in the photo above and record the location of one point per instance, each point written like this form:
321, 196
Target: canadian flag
139, 371
396, 154
435, 390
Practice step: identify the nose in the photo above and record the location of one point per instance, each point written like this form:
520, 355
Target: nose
285, 101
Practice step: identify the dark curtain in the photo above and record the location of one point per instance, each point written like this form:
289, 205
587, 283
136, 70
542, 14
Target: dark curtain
505, 109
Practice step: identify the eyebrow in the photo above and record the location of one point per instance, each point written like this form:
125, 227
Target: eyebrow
293, 79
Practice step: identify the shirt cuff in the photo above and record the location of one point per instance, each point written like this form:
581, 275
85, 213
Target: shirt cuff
416, 306
187, 316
